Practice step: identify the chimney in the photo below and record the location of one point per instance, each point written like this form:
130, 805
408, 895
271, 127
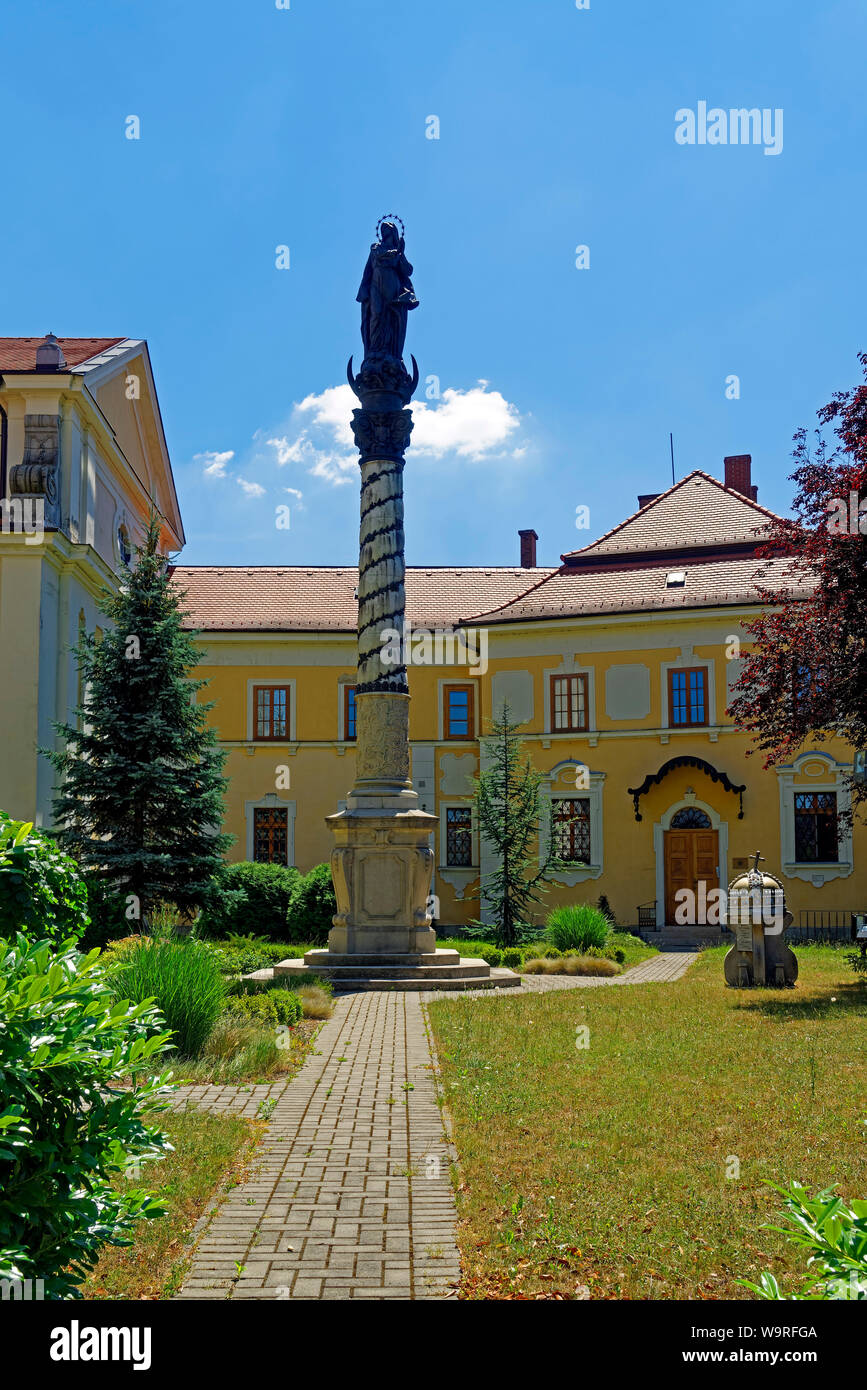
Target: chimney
528, 549
737, 475
49, 355
645, 497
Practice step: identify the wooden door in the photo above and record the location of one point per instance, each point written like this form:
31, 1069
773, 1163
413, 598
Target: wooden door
691, 857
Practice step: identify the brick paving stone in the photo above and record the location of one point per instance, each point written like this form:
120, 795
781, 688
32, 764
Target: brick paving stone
350, 1195
339, 1176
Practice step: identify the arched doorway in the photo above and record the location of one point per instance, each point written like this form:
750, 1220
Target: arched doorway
691, 856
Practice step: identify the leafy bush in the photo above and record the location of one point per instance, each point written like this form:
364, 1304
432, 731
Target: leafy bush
67, 1130
312, 908
250, 898
42, 893
184, 980
271, 1006
241, 955
576, 927
834, 1234
512, 957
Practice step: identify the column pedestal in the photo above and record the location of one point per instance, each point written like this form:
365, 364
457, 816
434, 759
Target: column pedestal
382, 861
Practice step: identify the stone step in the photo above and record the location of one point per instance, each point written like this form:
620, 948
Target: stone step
326, 960
498, 979
461, 968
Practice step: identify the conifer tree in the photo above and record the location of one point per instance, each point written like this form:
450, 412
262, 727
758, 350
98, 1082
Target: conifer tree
508, 810
140, 799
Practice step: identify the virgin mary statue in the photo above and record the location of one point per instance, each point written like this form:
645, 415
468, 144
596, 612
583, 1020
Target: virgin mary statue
386, 295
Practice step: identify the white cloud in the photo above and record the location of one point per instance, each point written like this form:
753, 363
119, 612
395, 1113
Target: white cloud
251, 489
327, 463
214, 463
474, 424
293, 492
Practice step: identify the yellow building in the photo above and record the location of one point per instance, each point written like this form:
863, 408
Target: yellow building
83, 459
619, 663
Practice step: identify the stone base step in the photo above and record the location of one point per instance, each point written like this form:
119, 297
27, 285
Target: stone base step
497, 979
329, 960
437, 970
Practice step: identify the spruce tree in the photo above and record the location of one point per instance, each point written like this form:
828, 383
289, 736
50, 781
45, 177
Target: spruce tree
508, 810
140, 801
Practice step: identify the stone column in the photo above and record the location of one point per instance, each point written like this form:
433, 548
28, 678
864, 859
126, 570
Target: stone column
382, 861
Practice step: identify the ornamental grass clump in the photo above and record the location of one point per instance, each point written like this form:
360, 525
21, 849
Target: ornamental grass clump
68, 1129
571, 965
576, 927
182, 978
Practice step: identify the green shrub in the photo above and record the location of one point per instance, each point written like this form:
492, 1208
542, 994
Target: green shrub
250, 899
512, 957
67, 1129
312, 908
576, 927
270, 1006
42, 893
183, 979
241, 955
834, 1235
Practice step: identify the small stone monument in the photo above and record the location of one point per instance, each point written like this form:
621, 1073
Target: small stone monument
758, 917
382, 861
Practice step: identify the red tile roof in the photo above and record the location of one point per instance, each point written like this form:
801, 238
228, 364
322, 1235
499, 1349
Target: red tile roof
19, 354
697, 511
316, 599
631, 588
699, 527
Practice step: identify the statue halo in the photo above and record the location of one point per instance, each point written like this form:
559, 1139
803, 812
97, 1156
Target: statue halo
390, 217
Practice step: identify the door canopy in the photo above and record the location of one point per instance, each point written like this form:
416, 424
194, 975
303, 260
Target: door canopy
686, 760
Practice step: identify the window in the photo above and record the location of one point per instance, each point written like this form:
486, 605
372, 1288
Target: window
816, 828
270, 835
459, 837
568, 703
690, 818
349, 711
687, 696
459, 711
572, 829
270, 712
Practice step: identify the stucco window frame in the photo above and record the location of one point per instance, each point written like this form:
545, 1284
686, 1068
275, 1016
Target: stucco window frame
257, 681
690, 663
551, 791
270, 802
569, 667
441, 711
815, 873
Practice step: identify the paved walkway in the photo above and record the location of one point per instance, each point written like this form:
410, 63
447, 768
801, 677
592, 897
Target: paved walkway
350, 1196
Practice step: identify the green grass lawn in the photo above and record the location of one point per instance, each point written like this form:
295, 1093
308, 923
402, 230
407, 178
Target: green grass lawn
209, 1155
605, 1168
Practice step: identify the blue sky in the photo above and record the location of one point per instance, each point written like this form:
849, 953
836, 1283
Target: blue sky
264, 127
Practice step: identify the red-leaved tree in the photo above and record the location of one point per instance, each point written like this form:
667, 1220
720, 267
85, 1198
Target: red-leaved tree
805, 679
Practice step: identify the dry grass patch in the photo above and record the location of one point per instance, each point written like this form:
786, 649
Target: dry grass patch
210, 1156
606, 1166
571, 965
